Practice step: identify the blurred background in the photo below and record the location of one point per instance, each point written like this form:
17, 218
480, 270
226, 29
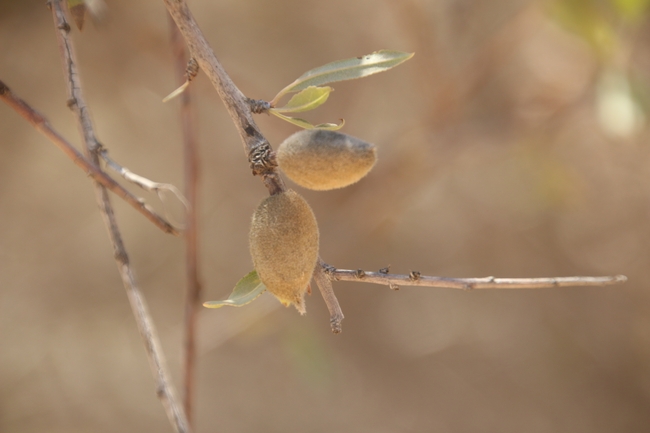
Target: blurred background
513, 144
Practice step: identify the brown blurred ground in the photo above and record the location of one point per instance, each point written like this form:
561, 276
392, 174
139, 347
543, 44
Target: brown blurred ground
493, 161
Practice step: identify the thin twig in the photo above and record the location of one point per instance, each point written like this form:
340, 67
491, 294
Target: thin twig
41, 124
147, 184
193, 283
164, 388
415, 279
325, 286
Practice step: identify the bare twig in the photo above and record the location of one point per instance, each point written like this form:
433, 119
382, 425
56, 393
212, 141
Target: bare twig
164, 388
415, 279
148, 185
325, 285
41, 124
193, 282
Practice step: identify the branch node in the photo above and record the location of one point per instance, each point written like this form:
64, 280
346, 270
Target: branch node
64, 26
393, 286
192, 69
335, 323
258, 106
329, 270
414, 275
384, 270
121, 257
359, 273
262, 159
70, 103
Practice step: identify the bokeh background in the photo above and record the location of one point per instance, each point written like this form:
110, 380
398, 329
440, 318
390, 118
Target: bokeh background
514, 144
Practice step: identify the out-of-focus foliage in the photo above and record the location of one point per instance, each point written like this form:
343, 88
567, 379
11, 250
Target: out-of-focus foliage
599, 22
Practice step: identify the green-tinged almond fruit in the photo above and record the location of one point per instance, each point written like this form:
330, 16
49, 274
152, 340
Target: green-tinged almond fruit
284, 246
321, 160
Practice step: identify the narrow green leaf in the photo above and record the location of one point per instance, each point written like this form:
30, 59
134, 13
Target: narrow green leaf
347, 69
306, 100
245, 292
305, 124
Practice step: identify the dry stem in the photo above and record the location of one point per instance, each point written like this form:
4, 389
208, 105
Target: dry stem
324, 283
41, 124
193, 282
164, 388
415, 279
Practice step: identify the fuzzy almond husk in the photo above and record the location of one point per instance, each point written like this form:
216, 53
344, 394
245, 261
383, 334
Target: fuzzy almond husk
284, 246
321, 160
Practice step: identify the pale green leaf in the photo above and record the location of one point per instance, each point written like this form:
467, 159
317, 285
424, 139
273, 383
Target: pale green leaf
245, 292
306, 100
305, 124
347, 69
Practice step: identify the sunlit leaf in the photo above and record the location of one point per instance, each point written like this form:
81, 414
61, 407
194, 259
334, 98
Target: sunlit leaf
245, 292
305, 124
306, 100
347, 69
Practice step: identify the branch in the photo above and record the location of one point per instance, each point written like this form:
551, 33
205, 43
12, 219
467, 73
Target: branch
415, 279
193, 283
260, 157
41, 124
324, 283
148, 333
256, 145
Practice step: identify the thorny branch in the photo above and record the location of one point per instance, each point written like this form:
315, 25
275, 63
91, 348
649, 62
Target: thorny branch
260, 155
76, 102
41, 124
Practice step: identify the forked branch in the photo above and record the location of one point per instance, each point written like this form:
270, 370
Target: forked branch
76, 102
325, 272
41, 124
258, 149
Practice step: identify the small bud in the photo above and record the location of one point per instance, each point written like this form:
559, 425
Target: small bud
284, 246
321, 160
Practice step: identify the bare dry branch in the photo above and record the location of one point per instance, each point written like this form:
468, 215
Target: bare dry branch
164, 388
415, 279
325, 285
147, 184
193, 287
41, 124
